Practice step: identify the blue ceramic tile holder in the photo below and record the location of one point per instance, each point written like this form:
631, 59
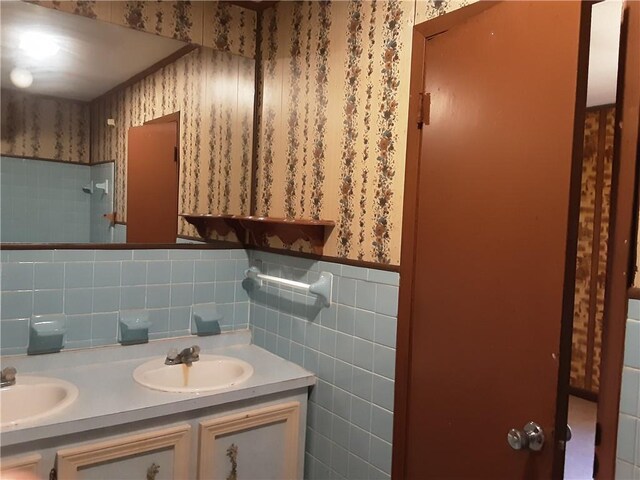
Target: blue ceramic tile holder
46, 334
134, 327
206, 320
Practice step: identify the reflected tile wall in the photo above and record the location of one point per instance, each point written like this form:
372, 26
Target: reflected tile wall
43, 201
350, 346
92, 286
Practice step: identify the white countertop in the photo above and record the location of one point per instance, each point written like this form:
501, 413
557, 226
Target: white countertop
109, 396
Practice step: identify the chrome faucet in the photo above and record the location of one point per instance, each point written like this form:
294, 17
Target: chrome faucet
8, 377
186, 356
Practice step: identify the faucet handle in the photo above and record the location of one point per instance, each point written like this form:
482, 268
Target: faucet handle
195, 349
172, 354
9, 374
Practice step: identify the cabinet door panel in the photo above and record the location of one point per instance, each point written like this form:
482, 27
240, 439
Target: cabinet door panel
258, 444
25, 465
155, 455
156, 465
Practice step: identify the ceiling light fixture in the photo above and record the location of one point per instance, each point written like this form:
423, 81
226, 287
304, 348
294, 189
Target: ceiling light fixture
38, 45
21, 78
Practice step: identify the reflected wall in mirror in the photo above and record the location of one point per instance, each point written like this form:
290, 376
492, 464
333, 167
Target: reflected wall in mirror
73, 87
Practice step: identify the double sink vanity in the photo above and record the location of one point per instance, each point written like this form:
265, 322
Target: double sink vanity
167, 409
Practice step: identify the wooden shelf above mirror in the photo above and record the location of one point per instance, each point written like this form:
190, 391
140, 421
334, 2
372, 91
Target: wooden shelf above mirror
253, 230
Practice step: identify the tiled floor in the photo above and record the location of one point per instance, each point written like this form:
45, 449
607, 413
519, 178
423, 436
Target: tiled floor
579, 455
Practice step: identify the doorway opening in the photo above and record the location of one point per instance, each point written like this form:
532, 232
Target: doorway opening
593, 237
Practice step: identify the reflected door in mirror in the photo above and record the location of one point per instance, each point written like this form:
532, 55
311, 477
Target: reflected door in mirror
152, 184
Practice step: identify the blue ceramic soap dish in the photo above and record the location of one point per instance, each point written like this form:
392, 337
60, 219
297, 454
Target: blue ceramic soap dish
134, 327
46, 334
206, 319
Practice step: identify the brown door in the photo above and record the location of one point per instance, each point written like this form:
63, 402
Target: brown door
495, 221
152, 184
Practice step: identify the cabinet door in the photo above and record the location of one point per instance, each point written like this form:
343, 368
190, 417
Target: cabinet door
258, 444
157, 455
25, 465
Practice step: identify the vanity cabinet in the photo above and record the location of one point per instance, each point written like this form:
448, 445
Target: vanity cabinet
256, 439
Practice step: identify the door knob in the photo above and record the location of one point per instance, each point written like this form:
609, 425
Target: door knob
531, 437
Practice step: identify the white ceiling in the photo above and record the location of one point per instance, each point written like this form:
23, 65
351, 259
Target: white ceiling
94, 56
603, 54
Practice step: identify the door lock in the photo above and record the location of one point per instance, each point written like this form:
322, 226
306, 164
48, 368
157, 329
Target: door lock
532, 437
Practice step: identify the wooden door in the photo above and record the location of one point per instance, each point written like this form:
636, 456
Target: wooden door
152, 184
489, 242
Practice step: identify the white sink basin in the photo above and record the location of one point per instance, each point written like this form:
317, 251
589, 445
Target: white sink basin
211, 372
33, 398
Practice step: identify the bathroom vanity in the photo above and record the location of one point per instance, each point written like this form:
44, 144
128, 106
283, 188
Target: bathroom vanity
118, 428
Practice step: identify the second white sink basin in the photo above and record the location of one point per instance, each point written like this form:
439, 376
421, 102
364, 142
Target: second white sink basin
33, 398
211, 372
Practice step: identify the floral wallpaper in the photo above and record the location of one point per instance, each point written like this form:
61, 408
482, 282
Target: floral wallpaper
592, 249
44, 127
214, 93
332, 140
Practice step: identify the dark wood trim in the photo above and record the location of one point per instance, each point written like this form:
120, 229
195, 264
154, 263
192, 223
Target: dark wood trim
102, 162
209, 245
634, 293
111, 246
257, 115
623, 191
170, 117
595, 245
571, 252
324, 258
149, 70
407, 259
584, 394
52, 160
223, 244
256, 5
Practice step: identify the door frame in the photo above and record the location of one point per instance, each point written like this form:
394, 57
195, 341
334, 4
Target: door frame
623, 225
619, 246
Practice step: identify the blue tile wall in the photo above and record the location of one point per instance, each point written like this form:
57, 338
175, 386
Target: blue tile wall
43, 201
350, 346
92, 286
628, 454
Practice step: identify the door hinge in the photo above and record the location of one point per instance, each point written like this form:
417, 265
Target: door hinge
598, 436
175, 154
596, 465
424, 112
53, 474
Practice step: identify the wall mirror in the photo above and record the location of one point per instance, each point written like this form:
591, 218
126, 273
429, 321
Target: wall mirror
109, 132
